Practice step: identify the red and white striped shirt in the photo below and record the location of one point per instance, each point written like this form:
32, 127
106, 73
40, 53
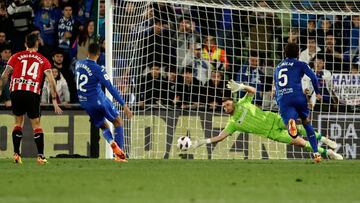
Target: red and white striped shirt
28, 71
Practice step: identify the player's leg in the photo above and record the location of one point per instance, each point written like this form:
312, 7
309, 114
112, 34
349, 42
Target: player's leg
38, 139
33, 112
289, 116
106, 132
332, 144
324, 152
119, 154
19, 111
112, 114
303, 111
281, 135
16, 137
119, 131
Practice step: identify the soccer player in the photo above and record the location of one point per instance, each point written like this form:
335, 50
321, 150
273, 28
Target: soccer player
27, 69
89, 78
290, 97
248, 118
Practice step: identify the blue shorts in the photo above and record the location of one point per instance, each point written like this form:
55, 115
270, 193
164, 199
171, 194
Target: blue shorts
100, 109
293, 108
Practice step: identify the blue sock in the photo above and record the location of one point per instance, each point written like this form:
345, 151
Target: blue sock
107, 135
310, 133
119, 136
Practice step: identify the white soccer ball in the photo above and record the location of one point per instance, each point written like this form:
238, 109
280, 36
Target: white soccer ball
184, 143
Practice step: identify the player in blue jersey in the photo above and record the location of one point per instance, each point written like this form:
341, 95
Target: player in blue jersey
290, 97
89, 78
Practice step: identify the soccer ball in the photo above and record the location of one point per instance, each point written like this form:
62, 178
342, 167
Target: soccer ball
184, 143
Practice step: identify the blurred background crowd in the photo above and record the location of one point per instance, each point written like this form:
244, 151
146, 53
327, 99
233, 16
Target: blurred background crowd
188, 52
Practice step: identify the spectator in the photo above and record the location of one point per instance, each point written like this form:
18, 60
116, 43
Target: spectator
44, 50
213, 53
62, 90
216, 90
66, 73
21, 14
5, 52
311, 50
151, 87
325, 85
87, 36
351, 35
66, 30
101, 59
293, 37
186, 35
5, 21
189, 90
82, 10
163, 11
264, 29
159, 46
355, 69
333, 56
252, 75
101, 19
325, 27
3, 41
46, 19
170, 86
309, 31
202, 68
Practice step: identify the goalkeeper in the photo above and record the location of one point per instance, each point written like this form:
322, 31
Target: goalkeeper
246, 117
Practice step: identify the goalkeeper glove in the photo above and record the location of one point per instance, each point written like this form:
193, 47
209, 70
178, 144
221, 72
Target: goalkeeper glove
198, 143
234, 86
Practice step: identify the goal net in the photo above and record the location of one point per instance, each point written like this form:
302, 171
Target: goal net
172, 60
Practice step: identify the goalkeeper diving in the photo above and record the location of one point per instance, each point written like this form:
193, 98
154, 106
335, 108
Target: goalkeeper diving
248, 118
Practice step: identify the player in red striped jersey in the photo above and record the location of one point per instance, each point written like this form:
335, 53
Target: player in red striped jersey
27, 70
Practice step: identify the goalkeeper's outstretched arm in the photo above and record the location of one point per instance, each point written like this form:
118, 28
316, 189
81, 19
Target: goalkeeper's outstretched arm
235, 87
223, 134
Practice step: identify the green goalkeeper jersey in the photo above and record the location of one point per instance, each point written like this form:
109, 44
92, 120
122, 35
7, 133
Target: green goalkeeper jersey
249, 118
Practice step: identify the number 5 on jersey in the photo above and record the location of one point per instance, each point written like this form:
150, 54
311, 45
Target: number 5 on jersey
282, 74
81, 80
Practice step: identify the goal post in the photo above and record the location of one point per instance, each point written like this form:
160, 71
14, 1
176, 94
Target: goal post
171, 61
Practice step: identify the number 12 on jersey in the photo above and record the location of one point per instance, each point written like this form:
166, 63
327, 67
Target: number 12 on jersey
81, 80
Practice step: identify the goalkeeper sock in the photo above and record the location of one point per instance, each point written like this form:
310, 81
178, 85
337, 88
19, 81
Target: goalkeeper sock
119, 136
302, 132
310, 133
321, 150
107, 135
17, 136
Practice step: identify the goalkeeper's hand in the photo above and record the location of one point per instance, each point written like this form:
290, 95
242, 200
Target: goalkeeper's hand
197, 143
234, 86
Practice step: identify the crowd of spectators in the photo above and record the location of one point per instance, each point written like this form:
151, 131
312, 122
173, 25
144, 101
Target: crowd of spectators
65, 29
187, 52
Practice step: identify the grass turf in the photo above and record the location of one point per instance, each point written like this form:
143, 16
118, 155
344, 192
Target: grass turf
195, 181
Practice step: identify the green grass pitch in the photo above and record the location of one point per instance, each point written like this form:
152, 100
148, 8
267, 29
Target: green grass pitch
179, 181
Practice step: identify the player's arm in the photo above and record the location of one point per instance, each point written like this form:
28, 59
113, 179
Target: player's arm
105, 80
235, 87
4, 77
314, 80
52, 84
223, 134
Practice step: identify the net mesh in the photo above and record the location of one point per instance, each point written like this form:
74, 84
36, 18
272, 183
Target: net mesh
172, 60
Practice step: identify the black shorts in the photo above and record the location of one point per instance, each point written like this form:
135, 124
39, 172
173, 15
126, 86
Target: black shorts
25, 102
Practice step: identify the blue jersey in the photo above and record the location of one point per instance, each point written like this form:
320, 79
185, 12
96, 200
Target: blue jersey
288, 75
89, 78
